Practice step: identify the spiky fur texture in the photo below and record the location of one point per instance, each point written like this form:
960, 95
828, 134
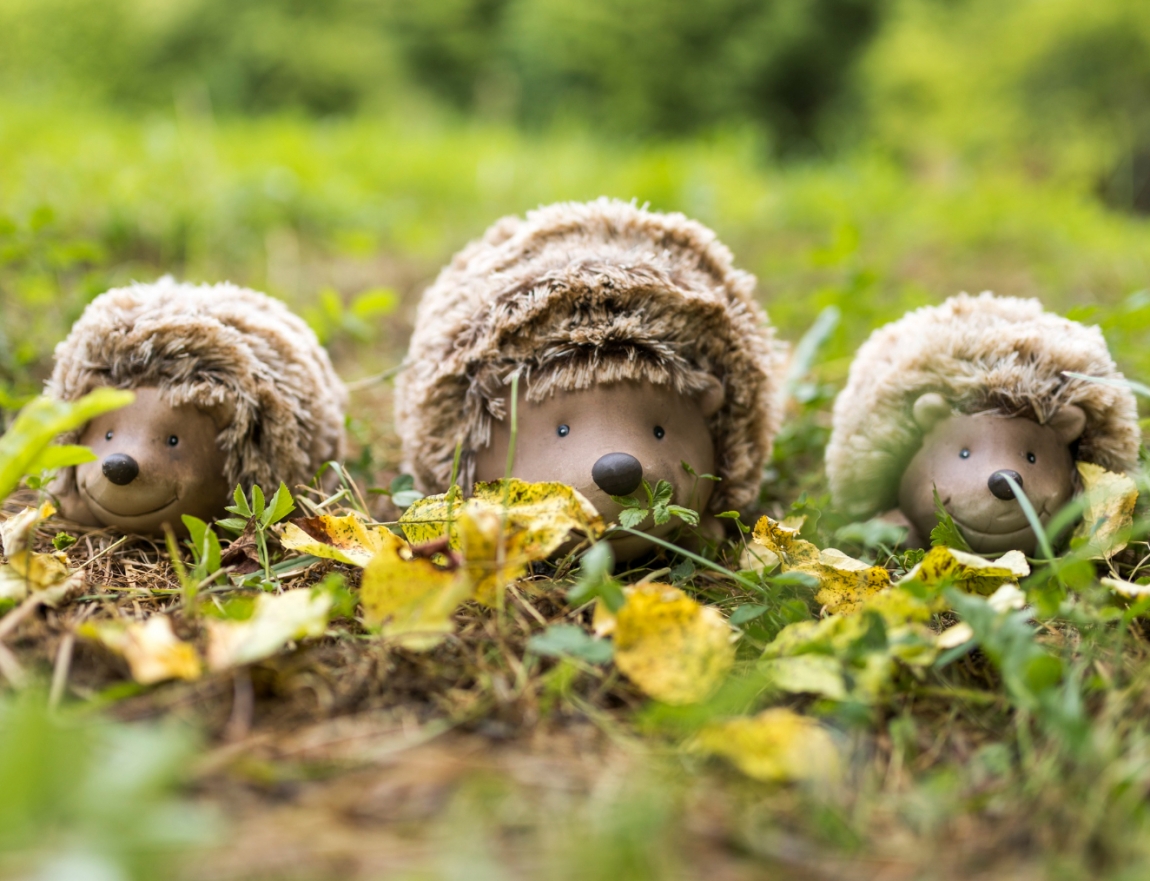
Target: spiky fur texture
579, 294
982, 354
224, 349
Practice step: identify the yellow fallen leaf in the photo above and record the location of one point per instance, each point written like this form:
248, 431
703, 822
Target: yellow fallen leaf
547, 513
844, 582
276, 620
347, 539
1127, 589
808, 674
154, 653
492, 551
856, 655
969, 572
411, 599
676, 650
955, 635
503, 528
603, 619
1109, 513
1008, 598
26, 571
16, 532
776, 746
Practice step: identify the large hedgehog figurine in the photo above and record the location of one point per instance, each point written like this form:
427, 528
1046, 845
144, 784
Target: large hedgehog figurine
960, 397
637, 346
231, 389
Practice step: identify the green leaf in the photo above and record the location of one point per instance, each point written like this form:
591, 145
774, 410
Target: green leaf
632, 517
39, 423
62, 541
595, 581
258, 502
62, 456
561, 640
402, 483
205, 546
281, 505
660, 514
685, 514
627, 501
406, 498
663, 493
946, 533
747, 612
241, 506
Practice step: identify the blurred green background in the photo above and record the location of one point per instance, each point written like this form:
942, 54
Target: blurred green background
870, 154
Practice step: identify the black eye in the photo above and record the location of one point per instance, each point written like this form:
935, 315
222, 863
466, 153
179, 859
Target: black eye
563, 430
1031, 458
965, 454
173, 440
108, 436
659, 433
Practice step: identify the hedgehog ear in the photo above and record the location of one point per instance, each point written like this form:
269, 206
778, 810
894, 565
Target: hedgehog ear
1068, 423
711, 398
222, 413
929, 410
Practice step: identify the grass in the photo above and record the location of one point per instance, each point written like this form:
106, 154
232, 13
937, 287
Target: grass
347, 758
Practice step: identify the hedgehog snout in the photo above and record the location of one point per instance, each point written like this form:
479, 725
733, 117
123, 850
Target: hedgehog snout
999, 485
121, 469
617, 474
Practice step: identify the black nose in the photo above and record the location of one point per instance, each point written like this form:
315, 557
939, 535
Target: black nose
617, 474
1000, 487
121, 469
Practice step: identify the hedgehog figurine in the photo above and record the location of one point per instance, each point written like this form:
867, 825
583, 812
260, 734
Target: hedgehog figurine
637, 345
956, 398
231, 389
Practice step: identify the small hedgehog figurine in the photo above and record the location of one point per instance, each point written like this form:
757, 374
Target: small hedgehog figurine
637, 346
231, 389
959, 397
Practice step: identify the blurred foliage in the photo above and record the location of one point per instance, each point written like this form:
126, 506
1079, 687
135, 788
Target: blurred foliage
1059, 86
781, 63
84, 800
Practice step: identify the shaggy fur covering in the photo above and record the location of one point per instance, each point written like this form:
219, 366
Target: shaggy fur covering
224, 349
579, 294
982, 354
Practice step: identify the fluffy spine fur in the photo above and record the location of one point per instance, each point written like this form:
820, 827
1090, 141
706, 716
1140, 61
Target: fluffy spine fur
579, 294
221, 348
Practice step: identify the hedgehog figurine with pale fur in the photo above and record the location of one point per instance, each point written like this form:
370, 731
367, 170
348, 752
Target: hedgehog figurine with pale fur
971, 399
637, 346
231, 388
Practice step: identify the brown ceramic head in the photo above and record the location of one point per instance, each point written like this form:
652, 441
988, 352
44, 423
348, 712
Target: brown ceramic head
606, 440
155, 463
967, 459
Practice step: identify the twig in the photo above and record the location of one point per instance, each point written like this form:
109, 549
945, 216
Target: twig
369, 381
11, 669
61, 670
12, 620
102, 553
651, 576
243, 705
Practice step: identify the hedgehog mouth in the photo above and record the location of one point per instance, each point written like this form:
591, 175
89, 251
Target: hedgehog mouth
103, 509
1013, 531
